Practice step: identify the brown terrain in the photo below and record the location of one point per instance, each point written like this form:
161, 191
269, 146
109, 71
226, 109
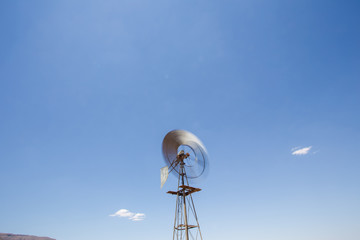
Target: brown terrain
9, 236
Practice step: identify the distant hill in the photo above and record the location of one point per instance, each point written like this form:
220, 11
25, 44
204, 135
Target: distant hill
9, 236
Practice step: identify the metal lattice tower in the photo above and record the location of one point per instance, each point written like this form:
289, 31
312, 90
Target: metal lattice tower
186, 224
186, 157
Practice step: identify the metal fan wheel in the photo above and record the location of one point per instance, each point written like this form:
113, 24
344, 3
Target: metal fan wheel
178, 140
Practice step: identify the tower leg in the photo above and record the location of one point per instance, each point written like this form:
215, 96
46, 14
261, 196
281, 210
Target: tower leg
184, 198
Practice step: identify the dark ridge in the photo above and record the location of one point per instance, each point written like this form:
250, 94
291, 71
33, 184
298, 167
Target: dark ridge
9, 236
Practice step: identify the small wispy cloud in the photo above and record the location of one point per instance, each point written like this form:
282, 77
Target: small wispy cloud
138, 217
300, 151
130, 215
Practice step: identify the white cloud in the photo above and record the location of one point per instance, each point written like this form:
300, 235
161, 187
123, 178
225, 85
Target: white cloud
130, 215
301, 151
138, 217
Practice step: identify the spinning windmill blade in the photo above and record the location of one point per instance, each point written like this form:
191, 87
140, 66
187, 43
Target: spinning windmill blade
181, 140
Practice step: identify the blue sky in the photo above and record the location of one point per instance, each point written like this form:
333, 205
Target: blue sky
88, 90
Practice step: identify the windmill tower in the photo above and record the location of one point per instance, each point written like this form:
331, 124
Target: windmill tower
186, 157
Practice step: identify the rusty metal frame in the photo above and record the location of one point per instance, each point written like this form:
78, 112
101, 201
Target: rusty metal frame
184, 203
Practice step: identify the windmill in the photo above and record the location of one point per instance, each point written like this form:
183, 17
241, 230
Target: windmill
186, 158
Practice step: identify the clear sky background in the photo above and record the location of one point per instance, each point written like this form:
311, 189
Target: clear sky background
88, 90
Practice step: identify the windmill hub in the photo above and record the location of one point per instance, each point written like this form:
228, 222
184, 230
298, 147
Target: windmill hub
182, 155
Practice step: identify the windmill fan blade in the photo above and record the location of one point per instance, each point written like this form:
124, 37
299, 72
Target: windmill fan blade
178, 140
